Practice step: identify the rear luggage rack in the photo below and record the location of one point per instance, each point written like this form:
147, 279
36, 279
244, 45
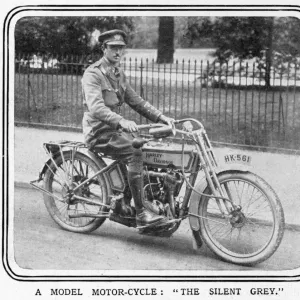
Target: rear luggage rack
52, 149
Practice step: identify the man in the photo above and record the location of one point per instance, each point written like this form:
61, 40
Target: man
105, 89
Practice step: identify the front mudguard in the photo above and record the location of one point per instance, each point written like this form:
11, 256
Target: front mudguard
201, 186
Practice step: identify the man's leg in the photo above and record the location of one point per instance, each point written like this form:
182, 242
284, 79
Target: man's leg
144, 217
119, 146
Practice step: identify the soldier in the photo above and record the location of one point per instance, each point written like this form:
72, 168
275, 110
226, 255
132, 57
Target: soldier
105, 89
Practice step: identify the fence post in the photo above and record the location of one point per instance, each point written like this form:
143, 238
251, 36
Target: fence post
28, 93
141, 86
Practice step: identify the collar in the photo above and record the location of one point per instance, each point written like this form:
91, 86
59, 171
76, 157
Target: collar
108, 67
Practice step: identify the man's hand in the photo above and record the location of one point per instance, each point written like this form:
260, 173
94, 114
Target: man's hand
128, 126
167, 120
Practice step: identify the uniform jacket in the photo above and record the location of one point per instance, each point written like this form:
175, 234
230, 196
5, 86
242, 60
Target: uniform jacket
103, 95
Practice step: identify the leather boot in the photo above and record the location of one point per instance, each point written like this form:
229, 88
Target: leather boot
144, 217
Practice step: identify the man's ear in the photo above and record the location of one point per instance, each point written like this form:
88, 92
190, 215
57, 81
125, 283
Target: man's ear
102, 47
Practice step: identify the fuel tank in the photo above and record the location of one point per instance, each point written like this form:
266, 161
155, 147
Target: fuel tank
161, 155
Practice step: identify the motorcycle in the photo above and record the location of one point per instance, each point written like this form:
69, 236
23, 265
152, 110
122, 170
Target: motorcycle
233, 211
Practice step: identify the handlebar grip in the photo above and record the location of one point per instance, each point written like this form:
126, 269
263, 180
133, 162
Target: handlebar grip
161, 132
149, 126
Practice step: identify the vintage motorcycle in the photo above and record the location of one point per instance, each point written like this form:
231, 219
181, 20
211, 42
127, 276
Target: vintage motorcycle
235, 212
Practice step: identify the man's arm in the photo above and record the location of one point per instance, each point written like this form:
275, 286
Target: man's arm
140, 105
92, 93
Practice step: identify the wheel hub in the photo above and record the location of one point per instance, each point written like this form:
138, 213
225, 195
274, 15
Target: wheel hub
68, 192
237, 219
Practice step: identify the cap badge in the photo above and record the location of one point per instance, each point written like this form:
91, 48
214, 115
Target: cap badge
118, 37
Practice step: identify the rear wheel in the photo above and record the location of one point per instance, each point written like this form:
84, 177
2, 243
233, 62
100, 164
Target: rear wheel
250, 233
57, 181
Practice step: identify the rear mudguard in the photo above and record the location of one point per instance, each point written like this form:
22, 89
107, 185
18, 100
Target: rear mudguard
97, 159
117, 176
200, 187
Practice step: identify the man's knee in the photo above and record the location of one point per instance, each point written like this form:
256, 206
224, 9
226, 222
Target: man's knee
135, 163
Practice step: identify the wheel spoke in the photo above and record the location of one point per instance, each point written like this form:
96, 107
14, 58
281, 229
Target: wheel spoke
259, 208
55, 180
87, 171
219, 227
81, 168
76, 170
237, 193
250, 199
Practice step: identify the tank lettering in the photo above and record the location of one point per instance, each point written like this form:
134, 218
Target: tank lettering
169, 158
149, 155
159, 161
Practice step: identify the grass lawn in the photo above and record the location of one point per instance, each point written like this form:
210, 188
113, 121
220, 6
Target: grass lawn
243, 116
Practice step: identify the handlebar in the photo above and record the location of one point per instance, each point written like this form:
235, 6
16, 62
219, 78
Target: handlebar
149, 126
191, 120
161, 131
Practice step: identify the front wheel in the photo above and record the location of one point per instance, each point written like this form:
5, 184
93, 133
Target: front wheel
250, 233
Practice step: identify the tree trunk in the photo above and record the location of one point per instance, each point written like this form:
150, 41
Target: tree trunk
165, 47
269, 53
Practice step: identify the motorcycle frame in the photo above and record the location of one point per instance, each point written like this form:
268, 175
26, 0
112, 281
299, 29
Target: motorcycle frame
204, 160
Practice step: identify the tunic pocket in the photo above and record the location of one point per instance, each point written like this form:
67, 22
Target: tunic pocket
110, 97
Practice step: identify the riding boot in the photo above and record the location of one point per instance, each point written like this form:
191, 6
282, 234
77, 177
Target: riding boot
144, 217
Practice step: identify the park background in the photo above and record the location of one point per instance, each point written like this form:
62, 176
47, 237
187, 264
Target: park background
48, 96
238, 75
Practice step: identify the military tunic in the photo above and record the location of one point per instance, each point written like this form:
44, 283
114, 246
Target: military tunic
104, 93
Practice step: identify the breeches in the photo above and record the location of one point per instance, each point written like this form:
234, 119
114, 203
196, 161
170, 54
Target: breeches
118, 145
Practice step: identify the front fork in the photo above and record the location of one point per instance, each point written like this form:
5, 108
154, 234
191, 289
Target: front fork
209, 163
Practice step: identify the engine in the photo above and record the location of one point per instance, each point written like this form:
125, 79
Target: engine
160, 189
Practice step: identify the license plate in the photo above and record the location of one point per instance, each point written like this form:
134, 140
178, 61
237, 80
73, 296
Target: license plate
237, 158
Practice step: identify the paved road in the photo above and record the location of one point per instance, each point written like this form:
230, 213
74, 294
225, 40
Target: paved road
40, 244
281, 171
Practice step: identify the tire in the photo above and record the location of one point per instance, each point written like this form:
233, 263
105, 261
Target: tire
245, 238
54, 182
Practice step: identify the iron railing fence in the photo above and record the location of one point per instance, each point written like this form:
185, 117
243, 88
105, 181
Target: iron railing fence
232, 100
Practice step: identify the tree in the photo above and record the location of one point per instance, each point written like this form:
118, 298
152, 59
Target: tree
63, 35
286, 36
145, 35
245, 38
250, 37
165, 47
198, 32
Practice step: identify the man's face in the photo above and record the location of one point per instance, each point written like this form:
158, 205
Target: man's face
114, 53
